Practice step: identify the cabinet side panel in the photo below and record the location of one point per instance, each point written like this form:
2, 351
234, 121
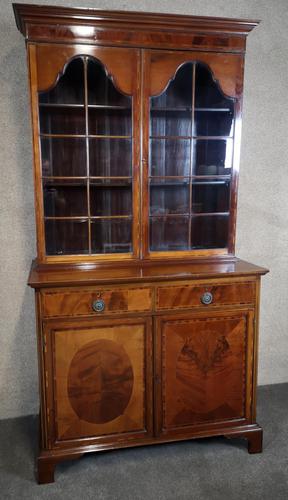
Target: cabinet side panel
33, 81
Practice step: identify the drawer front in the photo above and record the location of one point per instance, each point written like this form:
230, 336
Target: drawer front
187, 296
96, 302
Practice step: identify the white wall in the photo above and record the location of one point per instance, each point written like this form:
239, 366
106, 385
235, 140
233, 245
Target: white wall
262, 231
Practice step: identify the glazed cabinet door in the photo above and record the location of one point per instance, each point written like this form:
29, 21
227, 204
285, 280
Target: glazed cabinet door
192, 113
204, 370
85, 108
95, 383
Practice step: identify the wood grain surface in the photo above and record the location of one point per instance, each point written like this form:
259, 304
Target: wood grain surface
99, 380
79, 302
190, 296
203, 369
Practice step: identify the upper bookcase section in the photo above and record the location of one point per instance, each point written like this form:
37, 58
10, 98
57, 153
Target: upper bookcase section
92, 26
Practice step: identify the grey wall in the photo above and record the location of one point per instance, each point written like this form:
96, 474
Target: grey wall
262, 230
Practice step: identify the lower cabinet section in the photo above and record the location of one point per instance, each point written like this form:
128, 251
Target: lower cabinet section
204, 366
97, 385
118, 382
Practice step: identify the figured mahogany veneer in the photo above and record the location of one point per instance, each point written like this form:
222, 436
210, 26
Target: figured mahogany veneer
136, 133
92, 26
187, 296
99, 389
79, 302
202, 362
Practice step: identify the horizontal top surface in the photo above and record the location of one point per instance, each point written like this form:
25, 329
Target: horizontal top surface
144, 272
36, 13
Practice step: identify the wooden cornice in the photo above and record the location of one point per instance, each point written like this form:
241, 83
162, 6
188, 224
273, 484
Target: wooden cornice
29, 17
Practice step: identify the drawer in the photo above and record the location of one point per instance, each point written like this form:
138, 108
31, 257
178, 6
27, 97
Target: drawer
187, 296
81, 302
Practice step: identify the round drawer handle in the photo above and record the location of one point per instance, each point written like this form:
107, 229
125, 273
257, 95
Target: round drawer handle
98, 305
207, 298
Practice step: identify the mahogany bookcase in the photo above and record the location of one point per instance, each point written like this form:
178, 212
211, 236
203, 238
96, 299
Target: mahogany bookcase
147, 323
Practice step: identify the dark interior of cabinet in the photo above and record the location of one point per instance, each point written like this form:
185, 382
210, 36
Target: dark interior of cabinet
86, 149
86, 136
191, 154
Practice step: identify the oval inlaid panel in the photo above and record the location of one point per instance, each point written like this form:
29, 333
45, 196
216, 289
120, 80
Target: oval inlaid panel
100, 381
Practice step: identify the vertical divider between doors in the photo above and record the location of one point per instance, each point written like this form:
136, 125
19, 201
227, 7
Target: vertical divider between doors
85, 60
191, 157
145, 124
141, 153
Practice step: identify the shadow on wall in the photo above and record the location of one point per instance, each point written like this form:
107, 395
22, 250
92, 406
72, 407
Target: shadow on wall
18, 357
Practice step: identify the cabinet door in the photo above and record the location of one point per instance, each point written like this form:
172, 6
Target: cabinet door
192, 116
96, 385
86, 121
203, 370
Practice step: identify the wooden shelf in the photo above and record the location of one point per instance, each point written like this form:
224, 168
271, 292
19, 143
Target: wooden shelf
169, 184
59, 105
213, 110
190, 215
163, 216
209, 214
196, 137
108, 107
190, 109
212, 177
211, 182
86, 218
84, 136
197, 180
84, 178
89, 106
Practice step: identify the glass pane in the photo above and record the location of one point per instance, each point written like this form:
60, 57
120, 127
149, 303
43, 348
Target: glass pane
211, 197
170, 157
70, 86
111, 236
172, 114
170, 123
169, 233
209, 231
207, 91
179, 91
63, 157
169, 198
213, 123
110, 121
101, 89
212, 157
115, 200
110, 157
214, 113
171, 111
62, 120
65, 198
64, 237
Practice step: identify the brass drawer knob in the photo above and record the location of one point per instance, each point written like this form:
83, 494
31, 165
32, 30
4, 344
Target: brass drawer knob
98, 305
207, 298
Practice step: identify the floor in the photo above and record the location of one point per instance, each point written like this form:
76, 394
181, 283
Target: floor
208, 469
